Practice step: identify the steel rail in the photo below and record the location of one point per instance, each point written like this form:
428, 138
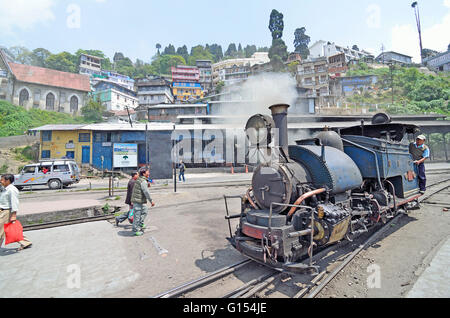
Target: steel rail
48, 225
369, 241
182, 289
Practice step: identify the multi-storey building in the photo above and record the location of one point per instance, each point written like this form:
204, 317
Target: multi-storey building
205, 68
185, 74
439, 62
90, 65
349, 85
154, 90
394, 57
42, 88
234, 74
122, 80
326, 49
312, 75
185, 92
244, 63
114, 96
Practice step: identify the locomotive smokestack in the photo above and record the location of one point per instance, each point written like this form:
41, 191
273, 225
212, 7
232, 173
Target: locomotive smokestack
279, 114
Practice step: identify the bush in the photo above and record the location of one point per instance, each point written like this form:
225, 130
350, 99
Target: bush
16, 120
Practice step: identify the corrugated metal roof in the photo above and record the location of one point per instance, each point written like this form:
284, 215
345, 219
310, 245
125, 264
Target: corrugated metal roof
127, 127
58, 127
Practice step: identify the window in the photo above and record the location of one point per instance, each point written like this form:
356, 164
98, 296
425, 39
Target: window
73, 104
29, 169
84, 137
61, 168
97, 137
50, 101
23, 97
46, 136
45, 154
44, 169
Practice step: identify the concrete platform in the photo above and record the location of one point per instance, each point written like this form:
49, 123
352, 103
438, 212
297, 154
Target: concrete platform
434, 282
185, 239
51, 266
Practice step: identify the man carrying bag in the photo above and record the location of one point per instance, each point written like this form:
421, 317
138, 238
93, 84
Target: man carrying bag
9, 206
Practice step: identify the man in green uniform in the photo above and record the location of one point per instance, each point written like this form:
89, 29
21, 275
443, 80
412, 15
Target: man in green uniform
139, 199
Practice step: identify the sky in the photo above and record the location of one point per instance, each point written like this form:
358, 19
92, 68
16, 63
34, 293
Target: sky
134, 27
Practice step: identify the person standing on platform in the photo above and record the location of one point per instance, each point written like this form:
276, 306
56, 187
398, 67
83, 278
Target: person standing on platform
420, 152
182, 167
9, 206
139, 198
124, 216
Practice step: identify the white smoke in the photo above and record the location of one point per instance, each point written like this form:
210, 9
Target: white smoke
257, 94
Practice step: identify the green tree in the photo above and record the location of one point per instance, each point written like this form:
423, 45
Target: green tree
276, 24
63, 61
217, 52
169, 50
183, 51
292, 67
199, 53
231, 51
250, 50
21, 55
301, 42
158, 47
164, 63
219, 87
40, 55
93, 111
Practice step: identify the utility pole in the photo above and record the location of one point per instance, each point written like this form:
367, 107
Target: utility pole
415, 5
391, 68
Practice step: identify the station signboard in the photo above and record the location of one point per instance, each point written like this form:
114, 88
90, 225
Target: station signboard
125, 156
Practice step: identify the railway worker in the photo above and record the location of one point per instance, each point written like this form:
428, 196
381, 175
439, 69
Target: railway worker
123, 217
9, 206
139, 198
420, 152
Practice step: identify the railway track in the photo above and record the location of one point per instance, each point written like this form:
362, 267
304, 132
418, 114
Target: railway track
48, 225
257, 287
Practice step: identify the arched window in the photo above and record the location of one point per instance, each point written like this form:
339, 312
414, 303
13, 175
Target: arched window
24, 96
73, 104
50, 101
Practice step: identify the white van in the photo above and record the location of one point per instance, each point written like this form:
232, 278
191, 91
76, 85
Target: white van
56, 174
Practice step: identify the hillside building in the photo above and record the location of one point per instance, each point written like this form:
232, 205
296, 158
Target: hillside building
42, 88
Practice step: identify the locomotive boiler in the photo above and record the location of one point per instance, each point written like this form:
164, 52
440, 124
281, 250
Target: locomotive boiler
322, 190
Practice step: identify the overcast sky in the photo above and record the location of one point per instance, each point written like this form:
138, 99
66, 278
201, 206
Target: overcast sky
135, 26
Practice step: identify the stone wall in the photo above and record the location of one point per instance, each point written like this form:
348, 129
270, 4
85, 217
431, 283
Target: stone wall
38, 96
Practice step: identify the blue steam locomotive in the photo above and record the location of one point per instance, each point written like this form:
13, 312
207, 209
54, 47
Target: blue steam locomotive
322, 190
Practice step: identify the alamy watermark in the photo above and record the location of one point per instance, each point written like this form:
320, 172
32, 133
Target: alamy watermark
74, 278
374, 278
228, 146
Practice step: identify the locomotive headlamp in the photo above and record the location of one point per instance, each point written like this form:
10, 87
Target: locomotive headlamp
258, 130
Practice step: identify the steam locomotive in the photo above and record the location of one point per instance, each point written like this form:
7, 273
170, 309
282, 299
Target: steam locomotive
322, 190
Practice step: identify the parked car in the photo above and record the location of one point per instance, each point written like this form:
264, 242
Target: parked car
53, 173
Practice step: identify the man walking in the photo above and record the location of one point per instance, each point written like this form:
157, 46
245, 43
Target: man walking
130, 187
9, 206
139, 198
420, 152
182, 167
